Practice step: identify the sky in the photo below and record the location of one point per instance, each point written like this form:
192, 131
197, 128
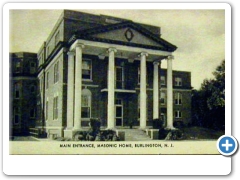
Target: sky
198, 34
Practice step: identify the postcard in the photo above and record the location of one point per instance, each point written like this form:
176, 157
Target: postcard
119, 83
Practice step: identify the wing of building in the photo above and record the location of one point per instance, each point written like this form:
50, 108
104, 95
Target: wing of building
23, 94
109, 68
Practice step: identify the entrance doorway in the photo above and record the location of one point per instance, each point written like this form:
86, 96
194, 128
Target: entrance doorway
119, 112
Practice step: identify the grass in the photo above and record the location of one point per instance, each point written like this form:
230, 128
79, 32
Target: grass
23, 138
198, 133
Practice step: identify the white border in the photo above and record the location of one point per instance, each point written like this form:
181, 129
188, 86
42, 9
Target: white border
110, 165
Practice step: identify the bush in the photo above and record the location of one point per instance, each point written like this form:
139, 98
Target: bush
157, 123
178, 124
175, 134
95, 124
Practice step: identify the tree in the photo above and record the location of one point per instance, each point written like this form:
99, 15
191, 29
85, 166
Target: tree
208, 103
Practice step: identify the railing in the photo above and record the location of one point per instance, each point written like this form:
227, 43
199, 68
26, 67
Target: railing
126, 85
37, 132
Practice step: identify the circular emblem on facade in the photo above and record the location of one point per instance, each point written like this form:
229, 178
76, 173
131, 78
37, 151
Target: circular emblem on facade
129, 34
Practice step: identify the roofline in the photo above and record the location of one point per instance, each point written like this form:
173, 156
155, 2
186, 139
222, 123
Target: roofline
177, 70
136, 26
23, 52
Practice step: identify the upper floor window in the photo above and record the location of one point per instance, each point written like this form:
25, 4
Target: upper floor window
32, 68
86, 103
178, 81
17, 90
162, 97
119, 77
163, 80
87, 69
57, 38
178, 98
55, 108
178, 114
18, 67
56, 72
16, 115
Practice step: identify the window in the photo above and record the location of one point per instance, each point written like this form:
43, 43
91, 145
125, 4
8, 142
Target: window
178, 98
86, 103
163, 80
87, 69
56, 72
18, 67
32, 113
47, 79
57, 36
32, 68
178, 114
16, 115
118, 102
46, 112
119, 77
162, 97
55, 108
17, 90
32, 89
178, 81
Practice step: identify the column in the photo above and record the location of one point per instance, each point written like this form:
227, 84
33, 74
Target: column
143, 91
155, 91
111, 91
169, 94
78, 87
70, 90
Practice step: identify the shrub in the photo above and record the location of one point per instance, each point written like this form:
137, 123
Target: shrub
157, 123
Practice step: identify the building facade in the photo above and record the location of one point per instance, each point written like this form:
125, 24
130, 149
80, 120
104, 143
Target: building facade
109, 68
23, 94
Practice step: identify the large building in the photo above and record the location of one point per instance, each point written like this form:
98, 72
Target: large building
23, 94
104, 67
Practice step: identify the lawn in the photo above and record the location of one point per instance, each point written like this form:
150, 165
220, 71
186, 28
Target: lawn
23, 138
199, 133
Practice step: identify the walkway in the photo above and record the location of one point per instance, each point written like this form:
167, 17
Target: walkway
136, 135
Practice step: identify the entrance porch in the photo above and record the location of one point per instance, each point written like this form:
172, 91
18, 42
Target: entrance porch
117, 89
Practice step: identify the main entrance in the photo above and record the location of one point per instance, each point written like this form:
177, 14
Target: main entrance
119, 112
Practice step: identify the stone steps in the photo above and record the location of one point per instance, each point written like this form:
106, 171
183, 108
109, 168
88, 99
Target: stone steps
136, 135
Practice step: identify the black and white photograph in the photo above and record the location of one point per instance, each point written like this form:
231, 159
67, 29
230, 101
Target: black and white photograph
125, 81
139, 88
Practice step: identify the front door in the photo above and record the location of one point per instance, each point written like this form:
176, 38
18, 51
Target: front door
119, 112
